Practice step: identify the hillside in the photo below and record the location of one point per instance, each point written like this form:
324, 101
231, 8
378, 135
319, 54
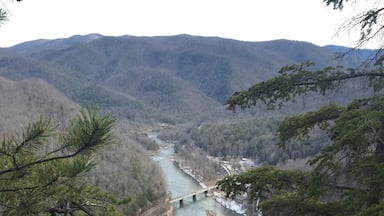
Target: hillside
170, 79
24, 101
142, 81
27, 100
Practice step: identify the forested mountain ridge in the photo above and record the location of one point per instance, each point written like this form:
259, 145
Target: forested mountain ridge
167, 78
171, 79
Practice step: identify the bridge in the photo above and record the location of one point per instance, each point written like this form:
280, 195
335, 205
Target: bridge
192, 194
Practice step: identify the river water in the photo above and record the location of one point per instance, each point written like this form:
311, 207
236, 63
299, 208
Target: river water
179, 183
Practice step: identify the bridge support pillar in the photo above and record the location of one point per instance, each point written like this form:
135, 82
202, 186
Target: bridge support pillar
194, 198
181, 203
206, 193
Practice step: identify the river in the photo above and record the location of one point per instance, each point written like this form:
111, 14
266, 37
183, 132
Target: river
179, 183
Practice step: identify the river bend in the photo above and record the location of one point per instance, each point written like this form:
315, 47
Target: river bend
179, 183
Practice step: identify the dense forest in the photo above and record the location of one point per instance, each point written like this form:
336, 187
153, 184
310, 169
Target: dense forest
175, 79
182, 81
254, 139
286, 127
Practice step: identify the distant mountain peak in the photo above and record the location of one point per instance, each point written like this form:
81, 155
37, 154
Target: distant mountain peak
36, 46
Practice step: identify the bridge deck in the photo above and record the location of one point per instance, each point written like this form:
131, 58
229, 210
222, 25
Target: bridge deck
191, 194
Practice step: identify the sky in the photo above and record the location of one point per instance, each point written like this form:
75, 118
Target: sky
246, 20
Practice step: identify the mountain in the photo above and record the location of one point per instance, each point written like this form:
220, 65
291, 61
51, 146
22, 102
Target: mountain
362, 54
168, 78
44, 45
25, 101
146, 80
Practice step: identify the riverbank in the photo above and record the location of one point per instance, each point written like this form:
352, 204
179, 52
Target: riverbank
161, 209
182, 179
218, 196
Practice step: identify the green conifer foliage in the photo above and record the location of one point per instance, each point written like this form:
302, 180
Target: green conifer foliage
41, 168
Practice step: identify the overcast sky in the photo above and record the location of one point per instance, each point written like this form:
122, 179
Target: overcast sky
249, 20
